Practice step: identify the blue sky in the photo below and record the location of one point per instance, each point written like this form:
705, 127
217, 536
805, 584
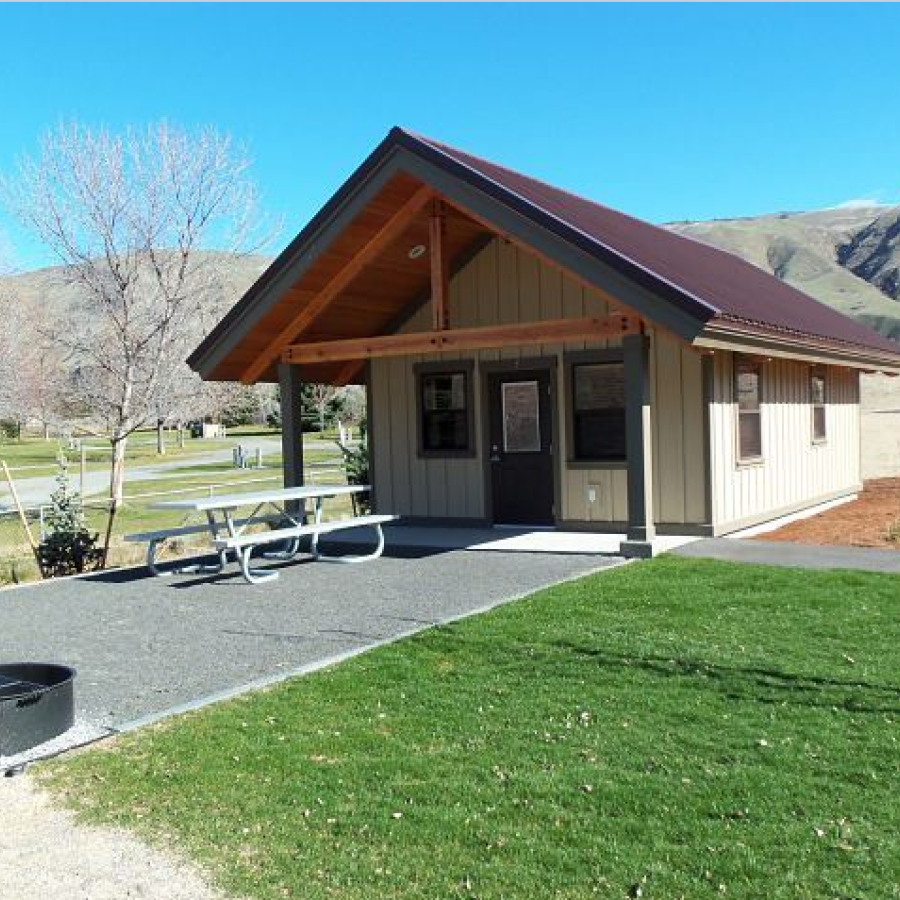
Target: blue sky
667, 112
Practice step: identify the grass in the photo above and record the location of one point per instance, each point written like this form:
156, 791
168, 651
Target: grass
17, 564
36, 452
675, 729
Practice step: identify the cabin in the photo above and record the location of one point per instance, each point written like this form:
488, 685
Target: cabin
533, 358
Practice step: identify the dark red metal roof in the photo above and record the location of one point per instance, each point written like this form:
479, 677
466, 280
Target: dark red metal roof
720, 286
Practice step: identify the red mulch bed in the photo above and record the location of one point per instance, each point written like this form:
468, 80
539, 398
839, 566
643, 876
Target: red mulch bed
868, 521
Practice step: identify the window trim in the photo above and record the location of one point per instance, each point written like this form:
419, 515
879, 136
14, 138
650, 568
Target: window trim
821, 372
465, 367
571, 359
748, 461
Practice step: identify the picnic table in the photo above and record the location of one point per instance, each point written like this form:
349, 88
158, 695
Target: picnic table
284, 508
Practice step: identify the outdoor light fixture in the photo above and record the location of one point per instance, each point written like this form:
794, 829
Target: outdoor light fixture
417, 251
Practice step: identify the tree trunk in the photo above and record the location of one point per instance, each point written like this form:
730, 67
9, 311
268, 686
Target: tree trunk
160, 437
46, 431
116, 489
181, 436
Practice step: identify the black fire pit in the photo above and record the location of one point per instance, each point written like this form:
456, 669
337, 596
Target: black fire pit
37, 703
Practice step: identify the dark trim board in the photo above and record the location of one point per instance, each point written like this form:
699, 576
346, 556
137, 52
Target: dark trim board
707, 394
370, 444
525, 364
662, 528
467, 367
572, 358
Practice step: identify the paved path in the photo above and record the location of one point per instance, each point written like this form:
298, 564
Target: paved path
803, 556
143, 645
36, 491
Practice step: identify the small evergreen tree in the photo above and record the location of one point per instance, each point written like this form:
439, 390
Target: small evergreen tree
69, 548
356, 465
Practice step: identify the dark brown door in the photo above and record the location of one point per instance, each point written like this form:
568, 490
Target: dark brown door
520, 447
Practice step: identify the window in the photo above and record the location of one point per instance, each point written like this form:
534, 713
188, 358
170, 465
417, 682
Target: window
747, 377
445, 406
598, 412
817, 404
521, 405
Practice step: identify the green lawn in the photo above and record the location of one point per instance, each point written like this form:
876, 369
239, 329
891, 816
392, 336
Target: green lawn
32, 457
674, 729
189, 480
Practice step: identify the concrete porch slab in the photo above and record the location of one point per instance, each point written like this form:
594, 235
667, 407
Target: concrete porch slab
507, 540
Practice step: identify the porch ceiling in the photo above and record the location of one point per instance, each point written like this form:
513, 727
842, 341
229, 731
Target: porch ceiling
374, 301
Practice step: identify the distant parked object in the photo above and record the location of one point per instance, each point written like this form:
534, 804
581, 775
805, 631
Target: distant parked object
208, 431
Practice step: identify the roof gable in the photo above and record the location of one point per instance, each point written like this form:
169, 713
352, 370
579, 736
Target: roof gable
724, 284
671, 279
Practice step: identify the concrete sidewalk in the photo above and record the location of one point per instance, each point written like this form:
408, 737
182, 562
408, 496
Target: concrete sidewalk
801, 556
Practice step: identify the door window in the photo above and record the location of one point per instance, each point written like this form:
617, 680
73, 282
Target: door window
521, 416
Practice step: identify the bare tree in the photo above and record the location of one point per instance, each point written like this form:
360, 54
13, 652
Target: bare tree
129, 216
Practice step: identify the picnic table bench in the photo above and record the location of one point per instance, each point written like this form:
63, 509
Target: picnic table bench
230, 536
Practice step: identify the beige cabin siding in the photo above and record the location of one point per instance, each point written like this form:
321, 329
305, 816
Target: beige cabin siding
794, 470
503, 284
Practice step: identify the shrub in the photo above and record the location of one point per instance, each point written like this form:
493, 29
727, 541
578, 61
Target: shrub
68, 548
356, 465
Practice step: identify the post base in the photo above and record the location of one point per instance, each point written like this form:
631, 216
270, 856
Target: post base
636, 549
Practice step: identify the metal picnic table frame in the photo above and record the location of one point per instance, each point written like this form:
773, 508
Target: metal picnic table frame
220, 518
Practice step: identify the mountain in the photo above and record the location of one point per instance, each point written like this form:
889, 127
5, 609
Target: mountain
848, 257
49, 288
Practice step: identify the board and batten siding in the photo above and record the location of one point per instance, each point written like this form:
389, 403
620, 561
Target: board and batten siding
794, 470
503, 284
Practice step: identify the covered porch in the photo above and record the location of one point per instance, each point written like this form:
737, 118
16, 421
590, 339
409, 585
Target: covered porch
513, 378
471, 407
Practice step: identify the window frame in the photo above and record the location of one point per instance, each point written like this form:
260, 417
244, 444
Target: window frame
744, 360
818, 371
464, 367
572, 360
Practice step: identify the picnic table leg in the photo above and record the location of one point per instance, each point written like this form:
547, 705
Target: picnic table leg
253, 576
292, 546
314, 543
192, 569
379, 549
151, 561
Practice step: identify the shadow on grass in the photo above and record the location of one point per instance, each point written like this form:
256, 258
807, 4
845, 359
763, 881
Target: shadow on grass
762, 685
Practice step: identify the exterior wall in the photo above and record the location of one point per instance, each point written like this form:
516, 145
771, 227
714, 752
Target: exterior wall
503, 284
794, 471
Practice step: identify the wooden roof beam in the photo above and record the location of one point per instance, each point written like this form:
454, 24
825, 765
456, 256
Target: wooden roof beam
440, 280
551, 331
386, 235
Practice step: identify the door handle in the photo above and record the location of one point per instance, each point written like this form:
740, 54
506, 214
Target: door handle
495, 454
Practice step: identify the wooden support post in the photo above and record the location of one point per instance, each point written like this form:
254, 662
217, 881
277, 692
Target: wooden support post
439, 269
291, 426
639, 440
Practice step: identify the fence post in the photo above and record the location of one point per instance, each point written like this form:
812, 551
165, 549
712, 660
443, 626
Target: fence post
22, 518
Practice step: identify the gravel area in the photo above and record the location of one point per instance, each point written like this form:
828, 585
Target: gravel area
46, 855
78, 735
143, 646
